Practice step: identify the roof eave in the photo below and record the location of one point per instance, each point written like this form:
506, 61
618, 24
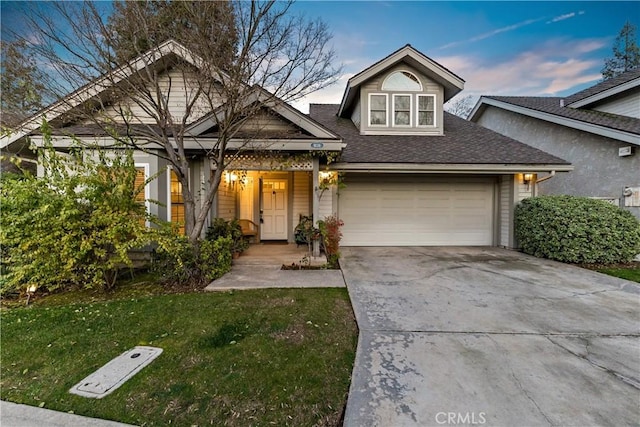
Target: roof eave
631, 84
605, 131
447, 168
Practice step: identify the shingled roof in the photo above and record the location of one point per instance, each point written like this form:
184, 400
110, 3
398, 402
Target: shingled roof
552, 105
464, 142
611, 83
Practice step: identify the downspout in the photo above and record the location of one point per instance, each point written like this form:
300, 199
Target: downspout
544, 178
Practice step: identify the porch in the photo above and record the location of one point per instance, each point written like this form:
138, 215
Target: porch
278, 254
261, 267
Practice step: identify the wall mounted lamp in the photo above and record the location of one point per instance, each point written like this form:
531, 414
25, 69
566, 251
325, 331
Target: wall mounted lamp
526, 179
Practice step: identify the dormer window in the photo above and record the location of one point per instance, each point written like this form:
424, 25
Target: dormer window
402, 110
378, 109
426, 110
403, 103
402, 81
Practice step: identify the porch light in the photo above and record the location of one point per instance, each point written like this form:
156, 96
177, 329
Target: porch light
526, 179
325, 177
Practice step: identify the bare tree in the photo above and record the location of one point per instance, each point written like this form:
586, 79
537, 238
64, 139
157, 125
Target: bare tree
461, 107
276, 57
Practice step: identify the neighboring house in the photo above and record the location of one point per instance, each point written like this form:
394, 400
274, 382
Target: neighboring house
596, 129
414, 174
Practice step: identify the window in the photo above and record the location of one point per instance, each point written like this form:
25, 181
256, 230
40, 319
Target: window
426, 110
402, 80
142, 196
176, 200
402, 110
378, 110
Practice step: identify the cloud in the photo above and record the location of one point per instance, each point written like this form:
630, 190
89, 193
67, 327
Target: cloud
546, 70
328, 95
491, 33
565, 16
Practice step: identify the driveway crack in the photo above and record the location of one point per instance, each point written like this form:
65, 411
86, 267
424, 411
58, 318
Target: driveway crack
586, 358
520, 386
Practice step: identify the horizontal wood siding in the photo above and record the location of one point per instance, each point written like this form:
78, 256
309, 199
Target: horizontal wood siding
505, 210
326, 204
356, 115
226, 202
177, 86
265, 122
301, 186
628, 105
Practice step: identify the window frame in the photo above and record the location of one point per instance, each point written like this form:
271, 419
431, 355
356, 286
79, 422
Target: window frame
433, 96
386, 110
147, 189
393, 110
415, 79
169, 201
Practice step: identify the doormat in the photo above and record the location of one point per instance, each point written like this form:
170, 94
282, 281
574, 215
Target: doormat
116, 372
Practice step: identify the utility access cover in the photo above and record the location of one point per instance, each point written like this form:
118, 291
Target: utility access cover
116, 372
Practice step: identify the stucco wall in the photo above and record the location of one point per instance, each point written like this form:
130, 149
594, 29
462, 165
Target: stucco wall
598, 170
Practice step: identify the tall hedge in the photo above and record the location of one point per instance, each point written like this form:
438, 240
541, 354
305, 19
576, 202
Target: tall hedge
576, 230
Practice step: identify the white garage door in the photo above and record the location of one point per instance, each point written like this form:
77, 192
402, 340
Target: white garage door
404, 211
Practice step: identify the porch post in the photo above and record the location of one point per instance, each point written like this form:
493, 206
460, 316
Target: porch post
316, 202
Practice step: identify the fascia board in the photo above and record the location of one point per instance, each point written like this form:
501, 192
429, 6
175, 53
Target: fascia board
564, 121
449, 168
606, 93
205, 143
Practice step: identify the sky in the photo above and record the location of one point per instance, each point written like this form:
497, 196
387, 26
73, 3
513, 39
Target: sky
499, 48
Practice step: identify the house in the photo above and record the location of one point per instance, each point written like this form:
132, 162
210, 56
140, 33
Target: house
417, 175
596, 129
413, 174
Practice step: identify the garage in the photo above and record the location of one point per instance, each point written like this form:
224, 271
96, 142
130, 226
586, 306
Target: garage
397, 210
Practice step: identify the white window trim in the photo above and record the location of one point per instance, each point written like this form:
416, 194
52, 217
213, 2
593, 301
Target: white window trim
435, 107
393, 110
402, 71
147, 189
169, 169
386, 103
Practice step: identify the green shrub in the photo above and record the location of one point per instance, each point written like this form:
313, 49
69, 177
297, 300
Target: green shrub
231, 229
182, 263
576, 230
75, 225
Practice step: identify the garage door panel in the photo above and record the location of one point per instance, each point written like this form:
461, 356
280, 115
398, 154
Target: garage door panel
419, 212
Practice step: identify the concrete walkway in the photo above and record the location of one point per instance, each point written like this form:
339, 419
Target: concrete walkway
261, 267
15, 415
484, 336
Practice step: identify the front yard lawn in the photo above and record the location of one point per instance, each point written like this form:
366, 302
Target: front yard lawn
260, 357
631, 272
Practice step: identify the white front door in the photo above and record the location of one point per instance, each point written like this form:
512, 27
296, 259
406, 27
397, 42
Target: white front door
274, 210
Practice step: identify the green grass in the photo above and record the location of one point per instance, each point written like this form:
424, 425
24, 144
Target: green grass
630, 273
260, 357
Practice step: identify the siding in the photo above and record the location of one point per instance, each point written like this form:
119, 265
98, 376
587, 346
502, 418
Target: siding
175, 86
265, 122
325, 207
598, 170
506, 205
226, 202
301, 201
628, 105
356, 115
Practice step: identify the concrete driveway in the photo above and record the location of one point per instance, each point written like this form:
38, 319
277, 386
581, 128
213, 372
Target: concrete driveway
484, 336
